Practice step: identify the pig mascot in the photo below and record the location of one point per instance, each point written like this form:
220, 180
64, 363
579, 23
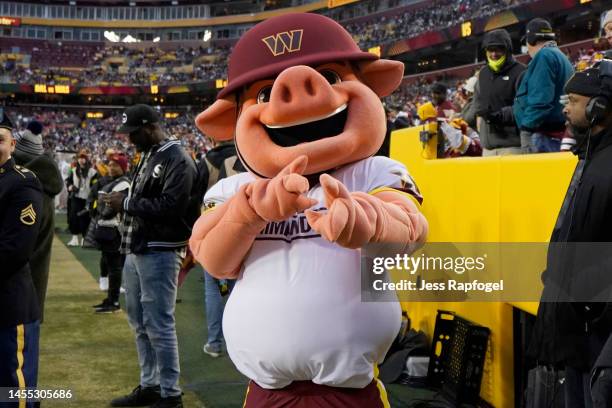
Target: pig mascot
303, 106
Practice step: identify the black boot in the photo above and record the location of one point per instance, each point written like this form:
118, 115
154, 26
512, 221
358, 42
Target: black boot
139, 397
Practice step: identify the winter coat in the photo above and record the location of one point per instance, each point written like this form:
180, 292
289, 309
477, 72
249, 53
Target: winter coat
495, 92
573, 334
537, 106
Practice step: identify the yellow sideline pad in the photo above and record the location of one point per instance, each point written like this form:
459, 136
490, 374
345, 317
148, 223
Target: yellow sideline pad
92, 355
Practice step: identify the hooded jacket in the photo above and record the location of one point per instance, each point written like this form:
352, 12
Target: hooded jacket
495, 92
573, 334
48, 174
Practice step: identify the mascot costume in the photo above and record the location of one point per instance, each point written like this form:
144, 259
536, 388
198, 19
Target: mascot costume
303, 106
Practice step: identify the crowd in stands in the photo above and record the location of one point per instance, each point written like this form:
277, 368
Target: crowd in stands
124, 65
434, 16
98, 65
66, 131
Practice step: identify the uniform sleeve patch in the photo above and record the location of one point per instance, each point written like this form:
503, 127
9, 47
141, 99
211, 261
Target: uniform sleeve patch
28, 215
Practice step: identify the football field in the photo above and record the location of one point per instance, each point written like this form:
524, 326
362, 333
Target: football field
94, 356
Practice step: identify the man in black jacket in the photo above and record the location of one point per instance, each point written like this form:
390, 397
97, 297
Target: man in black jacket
20, 208
494, 95
160, 209
575, 317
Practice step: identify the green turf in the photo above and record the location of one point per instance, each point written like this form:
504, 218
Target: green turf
215, 381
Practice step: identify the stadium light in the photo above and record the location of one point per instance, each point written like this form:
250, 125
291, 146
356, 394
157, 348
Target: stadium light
129, 39
111, 36
207, 35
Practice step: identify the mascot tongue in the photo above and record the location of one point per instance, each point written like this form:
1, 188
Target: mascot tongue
308, 132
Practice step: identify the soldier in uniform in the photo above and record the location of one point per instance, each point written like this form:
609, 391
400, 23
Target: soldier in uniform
20, 206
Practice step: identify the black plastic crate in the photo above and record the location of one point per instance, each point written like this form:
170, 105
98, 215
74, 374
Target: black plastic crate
458, 352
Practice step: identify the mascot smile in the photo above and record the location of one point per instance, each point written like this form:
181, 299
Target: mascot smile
303, 106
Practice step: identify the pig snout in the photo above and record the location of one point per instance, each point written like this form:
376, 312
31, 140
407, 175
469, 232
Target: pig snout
300, 93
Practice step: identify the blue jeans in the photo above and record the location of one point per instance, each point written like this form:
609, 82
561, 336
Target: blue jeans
150, 282
214, 310
545, 144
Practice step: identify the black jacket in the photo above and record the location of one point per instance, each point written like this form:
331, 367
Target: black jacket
216, 157
20, 213
165, 202
50, 178
573, 334
495, 92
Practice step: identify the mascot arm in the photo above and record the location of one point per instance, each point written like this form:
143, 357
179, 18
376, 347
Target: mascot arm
222, 236
355, 219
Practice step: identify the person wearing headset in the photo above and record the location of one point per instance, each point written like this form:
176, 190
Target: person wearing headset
572, 325
537, 110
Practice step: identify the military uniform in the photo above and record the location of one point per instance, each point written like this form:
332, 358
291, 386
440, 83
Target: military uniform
20, 207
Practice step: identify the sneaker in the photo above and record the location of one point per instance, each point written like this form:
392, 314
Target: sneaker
111, 308
169, 402
105, 302
74, 241
211, 351
139, 397
104, 283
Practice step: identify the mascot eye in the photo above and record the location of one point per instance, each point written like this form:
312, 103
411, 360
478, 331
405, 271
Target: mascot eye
264, 94
331, 76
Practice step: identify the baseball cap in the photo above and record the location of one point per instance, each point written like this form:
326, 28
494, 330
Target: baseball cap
136, 117
538, 29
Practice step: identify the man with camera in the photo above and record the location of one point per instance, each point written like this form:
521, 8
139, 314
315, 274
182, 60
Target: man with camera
494, 95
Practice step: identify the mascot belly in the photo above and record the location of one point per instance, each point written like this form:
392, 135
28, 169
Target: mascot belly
303, 107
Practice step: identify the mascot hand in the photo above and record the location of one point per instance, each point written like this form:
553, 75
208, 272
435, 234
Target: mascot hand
347, 220
280, 197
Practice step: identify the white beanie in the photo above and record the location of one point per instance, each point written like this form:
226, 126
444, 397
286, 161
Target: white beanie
607, 19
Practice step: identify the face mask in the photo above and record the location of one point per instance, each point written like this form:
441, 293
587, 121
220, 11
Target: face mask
496, 65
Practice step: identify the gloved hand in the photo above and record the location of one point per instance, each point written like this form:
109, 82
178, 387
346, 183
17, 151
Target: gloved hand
564, 99
495, 118
504, 116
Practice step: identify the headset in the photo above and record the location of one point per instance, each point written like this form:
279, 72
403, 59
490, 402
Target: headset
600, 106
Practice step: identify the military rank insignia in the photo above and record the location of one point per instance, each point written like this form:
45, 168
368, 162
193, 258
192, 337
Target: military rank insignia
28, 215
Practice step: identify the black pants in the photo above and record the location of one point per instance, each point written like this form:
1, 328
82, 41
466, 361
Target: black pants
78, 223
111, 265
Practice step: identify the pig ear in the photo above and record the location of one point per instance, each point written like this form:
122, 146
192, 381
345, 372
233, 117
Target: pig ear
219, 120
383, 76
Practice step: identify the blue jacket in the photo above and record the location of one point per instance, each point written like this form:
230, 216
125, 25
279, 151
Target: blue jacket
536, 105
